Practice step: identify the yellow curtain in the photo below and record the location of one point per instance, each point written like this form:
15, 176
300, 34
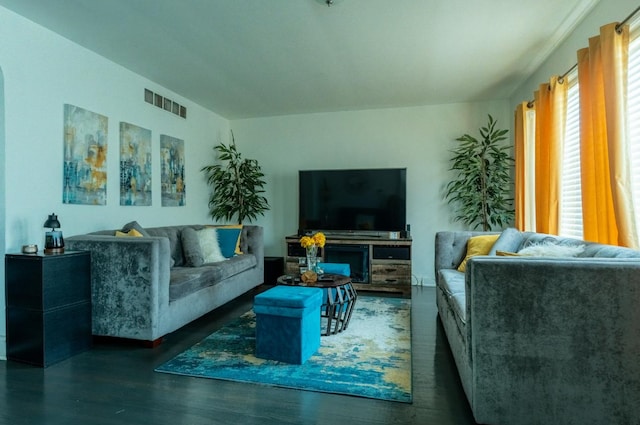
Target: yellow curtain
551, 106
524, 167
607, 205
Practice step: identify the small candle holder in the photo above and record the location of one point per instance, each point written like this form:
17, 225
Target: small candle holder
30, 249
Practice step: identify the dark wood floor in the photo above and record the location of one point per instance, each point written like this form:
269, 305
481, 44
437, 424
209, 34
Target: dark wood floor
114, 383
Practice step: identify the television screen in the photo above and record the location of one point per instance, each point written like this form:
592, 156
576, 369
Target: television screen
353, 200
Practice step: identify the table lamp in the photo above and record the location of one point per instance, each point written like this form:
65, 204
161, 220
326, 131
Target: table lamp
53, 241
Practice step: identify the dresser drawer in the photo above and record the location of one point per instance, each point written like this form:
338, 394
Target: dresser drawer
389, 273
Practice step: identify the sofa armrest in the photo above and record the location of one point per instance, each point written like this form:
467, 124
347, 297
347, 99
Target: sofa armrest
451, 248
129, 283
555, 337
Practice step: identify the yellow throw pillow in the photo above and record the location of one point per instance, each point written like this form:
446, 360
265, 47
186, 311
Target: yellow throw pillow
131, 233
478, 245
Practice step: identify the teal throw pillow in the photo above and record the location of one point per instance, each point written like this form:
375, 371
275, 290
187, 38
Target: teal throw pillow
509, 241
228, 239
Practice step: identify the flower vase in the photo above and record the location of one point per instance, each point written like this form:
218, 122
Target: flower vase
312, 258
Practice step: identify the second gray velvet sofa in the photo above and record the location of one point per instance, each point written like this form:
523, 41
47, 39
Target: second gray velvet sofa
143, 289
540, 340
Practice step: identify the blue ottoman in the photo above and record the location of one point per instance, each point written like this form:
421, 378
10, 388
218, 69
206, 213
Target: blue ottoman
288, 323
336, 268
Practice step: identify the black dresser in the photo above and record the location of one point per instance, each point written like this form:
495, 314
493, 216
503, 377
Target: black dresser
48, 300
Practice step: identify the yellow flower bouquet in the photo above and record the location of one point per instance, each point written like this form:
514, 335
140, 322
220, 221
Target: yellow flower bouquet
318, 240
311, 244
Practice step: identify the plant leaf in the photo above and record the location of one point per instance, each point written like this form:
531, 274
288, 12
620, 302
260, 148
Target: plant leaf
482, 179
237, 185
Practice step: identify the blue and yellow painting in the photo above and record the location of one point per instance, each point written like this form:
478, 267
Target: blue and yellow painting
85, 157
172, 182
135, 165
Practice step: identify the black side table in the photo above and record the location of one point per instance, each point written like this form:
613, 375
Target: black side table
48, 306
273, 268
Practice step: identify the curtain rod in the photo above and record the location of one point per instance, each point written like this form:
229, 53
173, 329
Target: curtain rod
620, 25
570, 70
627, 19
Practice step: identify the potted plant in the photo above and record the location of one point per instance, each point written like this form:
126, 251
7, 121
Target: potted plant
481, 191
237, 185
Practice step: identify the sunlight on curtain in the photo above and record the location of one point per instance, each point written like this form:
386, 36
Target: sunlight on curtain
530, 170
518, 149
615, 58
524, 167
598, 217
551, 105
607, 205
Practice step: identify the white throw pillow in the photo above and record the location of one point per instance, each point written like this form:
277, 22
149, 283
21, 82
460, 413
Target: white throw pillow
552, 250
209, 246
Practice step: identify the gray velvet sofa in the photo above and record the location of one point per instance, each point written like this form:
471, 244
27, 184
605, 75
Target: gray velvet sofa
143, 289
541, 340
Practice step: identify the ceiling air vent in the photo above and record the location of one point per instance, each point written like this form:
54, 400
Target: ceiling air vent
165, 103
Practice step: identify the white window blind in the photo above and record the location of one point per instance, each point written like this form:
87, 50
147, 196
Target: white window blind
633, 115
570, 187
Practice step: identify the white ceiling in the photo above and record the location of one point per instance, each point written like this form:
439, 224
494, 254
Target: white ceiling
252, 58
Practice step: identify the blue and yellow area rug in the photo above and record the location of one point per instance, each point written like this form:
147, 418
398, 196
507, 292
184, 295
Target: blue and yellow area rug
372, 358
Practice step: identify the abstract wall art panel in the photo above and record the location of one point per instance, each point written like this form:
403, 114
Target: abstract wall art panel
135, 165
85, 157
172, 182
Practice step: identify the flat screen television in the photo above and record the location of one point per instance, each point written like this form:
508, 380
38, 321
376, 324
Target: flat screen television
353, 201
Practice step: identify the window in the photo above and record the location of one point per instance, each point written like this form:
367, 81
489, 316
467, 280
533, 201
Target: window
633, 115
570, 188
570, 192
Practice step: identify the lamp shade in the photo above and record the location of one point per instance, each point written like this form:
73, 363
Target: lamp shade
52, 222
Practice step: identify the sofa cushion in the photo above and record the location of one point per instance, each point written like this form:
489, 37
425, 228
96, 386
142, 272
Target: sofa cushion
452, 283
175, 244
478, 245
592, 249
187, 280
608, 251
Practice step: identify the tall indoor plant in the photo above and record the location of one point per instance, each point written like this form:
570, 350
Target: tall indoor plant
481, 192
237, 184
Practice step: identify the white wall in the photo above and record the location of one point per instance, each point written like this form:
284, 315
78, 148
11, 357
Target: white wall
565, 56
42, 72
418, 138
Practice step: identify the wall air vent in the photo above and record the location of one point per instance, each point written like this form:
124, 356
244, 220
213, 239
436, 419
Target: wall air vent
165, 103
